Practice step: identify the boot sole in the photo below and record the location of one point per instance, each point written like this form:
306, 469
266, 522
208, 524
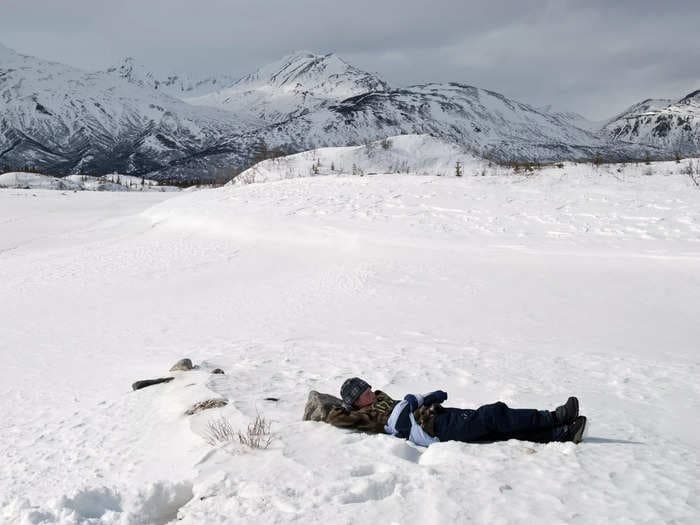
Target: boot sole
577, 436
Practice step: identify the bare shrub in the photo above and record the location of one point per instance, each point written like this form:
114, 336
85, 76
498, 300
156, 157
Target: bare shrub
257, 435
386, 143
689, 169
316, 167
356, 170
246, 177
693, 171
219, 432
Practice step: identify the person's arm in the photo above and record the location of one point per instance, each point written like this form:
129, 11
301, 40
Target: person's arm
339, 417
355, 419
415, 401
403, 424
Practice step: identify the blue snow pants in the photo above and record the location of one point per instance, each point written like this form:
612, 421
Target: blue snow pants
496, 422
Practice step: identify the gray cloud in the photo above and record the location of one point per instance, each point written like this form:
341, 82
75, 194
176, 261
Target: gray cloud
596, 59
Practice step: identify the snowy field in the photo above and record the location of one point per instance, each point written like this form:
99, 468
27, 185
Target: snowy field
520, 289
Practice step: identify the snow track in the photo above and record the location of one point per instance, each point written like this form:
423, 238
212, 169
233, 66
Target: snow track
524, 290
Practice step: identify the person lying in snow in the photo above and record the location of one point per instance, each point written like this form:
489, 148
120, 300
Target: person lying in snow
422, 420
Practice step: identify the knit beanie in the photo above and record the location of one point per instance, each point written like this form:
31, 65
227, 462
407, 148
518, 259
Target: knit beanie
352, 389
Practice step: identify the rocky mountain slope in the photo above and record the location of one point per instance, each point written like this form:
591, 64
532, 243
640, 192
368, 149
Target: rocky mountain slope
672, 125
486, 122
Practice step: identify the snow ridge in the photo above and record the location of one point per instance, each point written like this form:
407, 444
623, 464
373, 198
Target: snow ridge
176, 85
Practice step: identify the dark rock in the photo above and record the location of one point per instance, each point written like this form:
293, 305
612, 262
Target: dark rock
318, 406
148, 382
217, 371
182, 364
206, 405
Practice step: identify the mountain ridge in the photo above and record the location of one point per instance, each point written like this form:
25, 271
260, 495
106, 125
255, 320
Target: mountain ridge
65, 120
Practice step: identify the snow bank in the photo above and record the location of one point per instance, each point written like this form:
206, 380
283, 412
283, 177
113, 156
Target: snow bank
25, 180
557, 208
112, 182
156, 504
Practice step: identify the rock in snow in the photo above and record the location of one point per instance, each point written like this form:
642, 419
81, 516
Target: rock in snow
183, 364
206, 405
138, 385
318, 406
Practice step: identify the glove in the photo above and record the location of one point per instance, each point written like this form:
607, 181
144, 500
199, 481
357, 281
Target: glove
412, 402
435, 398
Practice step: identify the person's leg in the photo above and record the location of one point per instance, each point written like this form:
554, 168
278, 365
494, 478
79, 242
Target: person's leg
457, 424
572, 431
547, 435
503, 421
493, 422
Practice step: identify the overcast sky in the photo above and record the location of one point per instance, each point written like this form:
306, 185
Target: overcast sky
582, 56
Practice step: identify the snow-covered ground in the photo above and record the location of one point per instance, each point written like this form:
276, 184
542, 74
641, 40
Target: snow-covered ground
520, 289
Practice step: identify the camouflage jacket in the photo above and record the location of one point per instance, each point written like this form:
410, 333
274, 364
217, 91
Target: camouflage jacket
374, 417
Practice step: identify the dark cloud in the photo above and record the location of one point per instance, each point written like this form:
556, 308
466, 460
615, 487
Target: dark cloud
593, 58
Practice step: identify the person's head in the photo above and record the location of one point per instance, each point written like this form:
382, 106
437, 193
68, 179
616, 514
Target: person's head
356, 393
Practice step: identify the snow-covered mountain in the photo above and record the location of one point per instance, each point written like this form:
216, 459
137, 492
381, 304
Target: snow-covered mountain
321, 100
63, 120
486, 122
294, 85
176, 85
673, 125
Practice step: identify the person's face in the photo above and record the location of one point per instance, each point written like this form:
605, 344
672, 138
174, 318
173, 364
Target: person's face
366, 398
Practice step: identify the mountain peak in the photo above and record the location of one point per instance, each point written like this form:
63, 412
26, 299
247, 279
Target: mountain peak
327, 76
297, 83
